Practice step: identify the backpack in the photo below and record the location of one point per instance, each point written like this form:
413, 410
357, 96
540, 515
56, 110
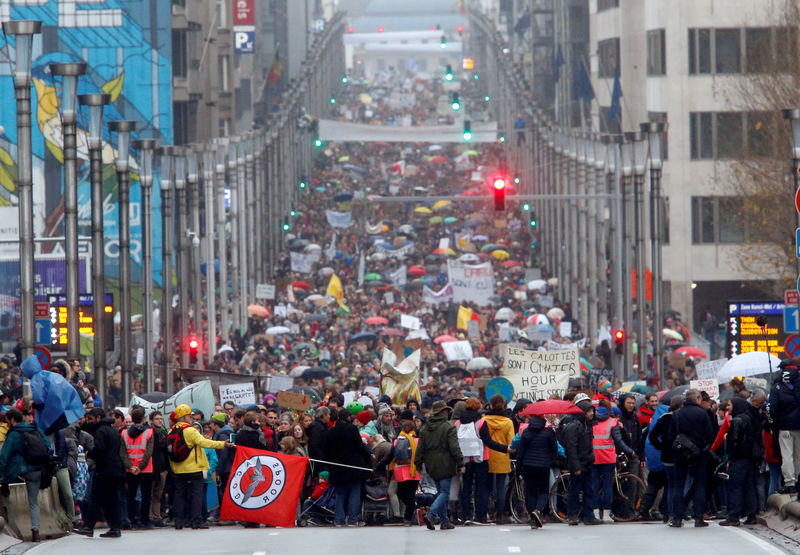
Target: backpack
177, 448
469, 441
740, 437
402, 451
34, 450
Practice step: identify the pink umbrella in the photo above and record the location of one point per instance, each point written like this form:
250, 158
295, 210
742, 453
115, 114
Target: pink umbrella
377, 321
392, 332
551, 406
444, 339
690, 351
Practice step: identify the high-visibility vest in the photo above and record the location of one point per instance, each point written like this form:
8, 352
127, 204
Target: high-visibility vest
603, 443
136, 448
480, 423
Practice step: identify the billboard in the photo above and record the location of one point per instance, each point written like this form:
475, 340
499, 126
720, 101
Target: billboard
745, 335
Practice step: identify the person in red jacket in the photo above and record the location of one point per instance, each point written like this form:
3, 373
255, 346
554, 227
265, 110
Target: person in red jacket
647, 409
322, 485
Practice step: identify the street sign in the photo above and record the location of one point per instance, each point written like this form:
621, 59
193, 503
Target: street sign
42, 327
41, 310
797, 200
44, 356
792, 346
790, 323
797, 242
791, 296
745, 335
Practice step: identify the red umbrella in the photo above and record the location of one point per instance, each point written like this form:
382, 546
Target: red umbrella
439, 159
444, 339
377, 321
509, 263
392, 332
690, 351
417, 270
301, 285
551, 406
470, 193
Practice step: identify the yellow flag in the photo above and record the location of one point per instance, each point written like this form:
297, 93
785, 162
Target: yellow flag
464, 316
335, 290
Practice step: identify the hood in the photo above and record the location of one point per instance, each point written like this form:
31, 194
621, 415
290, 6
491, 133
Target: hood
647, 411
537, 423
23, 427
135, 431
458, 411
469, 415
31, 366
600, 417
661, 410
739, 406
108, 421
496, 421
437, 421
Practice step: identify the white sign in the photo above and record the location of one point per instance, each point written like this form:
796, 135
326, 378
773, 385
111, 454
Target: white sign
539, 374
302, 262
199, 395
751, 383
399, 277
239, 393
339, 219
473, 329
457, 350
279, 383
710, 369
565, 329
710, 386
533, 334
445, 295
471, 282
554, 346
410, 322
265, 291
546, 301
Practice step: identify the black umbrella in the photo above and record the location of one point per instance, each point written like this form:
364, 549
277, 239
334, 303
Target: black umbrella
432, 269
375, 283
297, 244
316, 373
344, 196
155, 396
363, 336
456, 370
432, 259
667, 397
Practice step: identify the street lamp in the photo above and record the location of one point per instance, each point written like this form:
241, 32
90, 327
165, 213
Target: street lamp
211, 311
793, 115
183, 272
69, 73
193, 253
146, 148
639, 145
655, 135
167, 227
222, 239
23, 31
95, 102
124, 128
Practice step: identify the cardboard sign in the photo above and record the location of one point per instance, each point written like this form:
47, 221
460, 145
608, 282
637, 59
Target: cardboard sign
279, 383
457, 350
473, 329
532, 274
265, 291
677, 361
565, 329
753, 383
539, 374
709, 369
710, 386
295, 401
546, 301
240, 393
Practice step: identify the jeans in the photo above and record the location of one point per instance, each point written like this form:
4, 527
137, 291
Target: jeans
439, 505
672, 482
577, 485
406, 491
656, 479
477, 472
143, 480
65, 487
741, 489
537, 487
603, 485
789, 441
696, 470
498, 484
347, 498
774, 477
188, 490
32, 481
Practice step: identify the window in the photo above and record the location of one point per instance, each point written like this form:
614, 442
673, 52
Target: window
661, 117
224, 127
761, 132
728, 50
603, 5
701, 140
758, 50
222, 67
786, 49
608, 54
718, 220
729, 135
656, 53
179, 52
222, 14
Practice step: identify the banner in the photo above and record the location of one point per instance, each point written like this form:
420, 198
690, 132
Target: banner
471, 282
199, 395
240, 393
263, 487
410, 322
710, 386
339, 219
302, 262
401, 253
399, 277
277, 383
457, 350
400, 382
554, 346
539, 374
444, 296
330, 252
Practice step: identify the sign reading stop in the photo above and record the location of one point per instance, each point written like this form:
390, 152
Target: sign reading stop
797, 200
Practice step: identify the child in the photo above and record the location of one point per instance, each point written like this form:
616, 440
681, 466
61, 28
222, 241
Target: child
322, 485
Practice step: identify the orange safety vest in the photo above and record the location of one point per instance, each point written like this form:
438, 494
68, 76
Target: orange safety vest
136, 448
603, 443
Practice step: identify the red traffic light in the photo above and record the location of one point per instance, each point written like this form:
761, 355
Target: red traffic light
350, 30
193, 344
380, 29
460, 28
499, 183
619, 335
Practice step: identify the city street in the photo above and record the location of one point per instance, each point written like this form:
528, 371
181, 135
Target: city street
616, 538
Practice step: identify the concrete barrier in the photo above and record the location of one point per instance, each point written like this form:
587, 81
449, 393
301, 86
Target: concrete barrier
16, 514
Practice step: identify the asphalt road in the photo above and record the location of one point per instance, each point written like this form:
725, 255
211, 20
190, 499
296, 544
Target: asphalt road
651, 538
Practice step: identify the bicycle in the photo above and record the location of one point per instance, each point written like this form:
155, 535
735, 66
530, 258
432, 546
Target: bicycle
516, 496
625, 503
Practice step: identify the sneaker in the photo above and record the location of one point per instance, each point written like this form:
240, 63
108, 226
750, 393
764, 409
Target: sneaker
112, 534
750, 521
446, 526
700, 523
429, 521
536, 517
609, 518
676, 523
477, 522
729, 523
84, 531
573, 520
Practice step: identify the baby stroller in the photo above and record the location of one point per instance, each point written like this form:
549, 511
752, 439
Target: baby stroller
318, 512
376, 508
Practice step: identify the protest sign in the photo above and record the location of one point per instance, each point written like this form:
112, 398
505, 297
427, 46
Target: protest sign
565, 329
471, 282
710, 386
265, 291
533, 333
199, 395
473, 329
400, 381
457, 350
539, 374
545, 301
755, 383
710, 369
443, 296
302, 262
279, 383
554, 346
240, 393
339, 219
399, 277
597, 375
532, 274
294, 401
409, 322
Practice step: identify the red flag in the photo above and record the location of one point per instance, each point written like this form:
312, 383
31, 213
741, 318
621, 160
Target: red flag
263, 487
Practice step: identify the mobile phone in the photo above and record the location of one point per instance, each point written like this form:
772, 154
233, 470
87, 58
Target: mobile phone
233, 438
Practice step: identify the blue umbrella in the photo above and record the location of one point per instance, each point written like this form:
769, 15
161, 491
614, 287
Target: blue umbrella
344, 196
216, 267
56, 402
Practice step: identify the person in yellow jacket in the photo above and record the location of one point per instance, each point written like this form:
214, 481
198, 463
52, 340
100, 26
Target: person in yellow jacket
189, 473
501, 428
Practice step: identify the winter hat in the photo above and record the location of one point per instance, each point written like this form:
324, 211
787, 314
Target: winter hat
383, 409
407, 415
221, 418
604, 386
324, 475
385, 400
364, 417
602, 412
270, 397
615, 411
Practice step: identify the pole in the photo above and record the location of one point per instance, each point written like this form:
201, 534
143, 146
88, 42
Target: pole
193, 246
235, 238
167, 228
184, 279
222, 249
244, 264
211, 293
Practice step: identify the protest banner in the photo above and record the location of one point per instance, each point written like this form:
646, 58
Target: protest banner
410, 322
539, 374
302, 262
597, 375
534, 334
240, 393
399, 277
443, 296
400, 381
565, 329
199, 395
555, 346
710, 369
279, 383
471, 282
710, 386
755, 383
265, 291
339, 219
295, 401
457, 350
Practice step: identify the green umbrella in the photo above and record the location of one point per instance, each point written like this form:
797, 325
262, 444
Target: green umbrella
472, 152
372, 276
435, 220
488, 247
450, 220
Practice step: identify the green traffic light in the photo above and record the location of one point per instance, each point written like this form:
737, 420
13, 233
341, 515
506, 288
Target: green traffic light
467, 135
318, 143
502, 138
333, 100
533, 223
516, 180
487, 98
302, 184
345, 80
293, 213
455, 106
526, 206
475, 76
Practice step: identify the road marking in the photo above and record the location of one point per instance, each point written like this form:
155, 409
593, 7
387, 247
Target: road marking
513, 549
259, 553
505, 529
274, 533
764, 545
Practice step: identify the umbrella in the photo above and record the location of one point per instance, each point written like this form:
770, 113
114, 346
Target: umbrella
690, 351
453, 370
392, 332
297, 244
316, 317
444, 339
509, 263
301, 285
326, 271
671, 334
301, 346
439, 204
372, 276
472, 152
275, 330
445, 251
297, 371
551, 406
555, 313
313, 247
375, 283
363, 336
748, 364
155, 396
405, 228
423, 210
344, 196
377, 321
377, 256
439, 159
228, 348
435, 220
416, 270
315, 395
500, 254
56, 402
414, 285
479, 238
488, 247
343, 159
434, 148
552, 281
315, 297
538, 284
258, 310
667, 396
479, 363
469, 257
504, 314
316, 373
450, 220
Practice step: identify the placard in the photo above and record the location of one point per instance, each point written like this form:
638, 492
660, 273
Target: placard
473, 329
457, 350
709, 369
409, 322
539, 374
295, 401
471, 282
545, 301
751, 383
532, 274
533, 333
279, 383
240, 393
565, 329
710, 386
265, 291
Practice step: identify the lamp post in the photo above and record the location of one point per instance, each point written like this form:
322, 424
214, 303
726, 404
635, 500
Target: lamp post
655, 134
193, 252
95, 102
793, 116
69, 73
123, 128
219, 166
23, 31
211, 311
179, 160
146, 148
626, 163
167, 228
233, 160
639, 164
611, 144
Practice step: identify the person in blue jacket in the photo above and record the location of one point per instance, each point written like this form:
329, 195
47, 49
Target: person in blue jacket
657, 474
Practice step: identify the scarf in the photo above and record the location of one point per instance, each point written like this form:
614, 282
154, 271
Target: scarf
412, 440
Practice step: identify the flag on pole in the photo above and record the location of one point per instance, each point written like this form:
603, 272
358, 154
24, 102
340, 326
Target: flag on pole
615, 110
559, 63
335, 290
274, 70
263, 487
464, 316
362, 268
581, 84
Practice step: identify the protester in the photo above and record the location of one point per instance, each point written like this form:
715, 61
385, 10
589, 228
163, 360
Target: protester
137, 457
578, 444
536, 451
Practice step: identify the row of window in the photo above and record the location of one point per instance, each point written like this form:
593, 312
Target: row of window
717, 220
732, 135
753, 50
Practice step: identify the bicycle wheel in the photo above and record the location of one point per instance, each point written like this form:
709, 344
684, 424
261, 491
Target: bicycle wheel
627, 499
558, 497
516, 501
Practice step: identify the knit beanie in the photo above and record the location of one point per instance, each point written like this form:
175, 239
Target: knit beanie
364, 417
604, 386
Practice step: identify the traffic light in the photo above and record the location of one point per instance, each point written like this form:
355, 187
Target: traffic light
499, 190
475, 77
619, 341
333, 100
286, 225
448, 73
443, 43
487, 98
293, 212
516, 180
455, 103
467, 130
302, 183
192, 346
533, 220
318, 142
345, 80
526, 207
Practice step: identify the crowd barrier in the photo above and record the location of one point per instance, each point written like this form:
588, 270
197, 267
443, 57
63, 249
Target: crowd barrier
16, 515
